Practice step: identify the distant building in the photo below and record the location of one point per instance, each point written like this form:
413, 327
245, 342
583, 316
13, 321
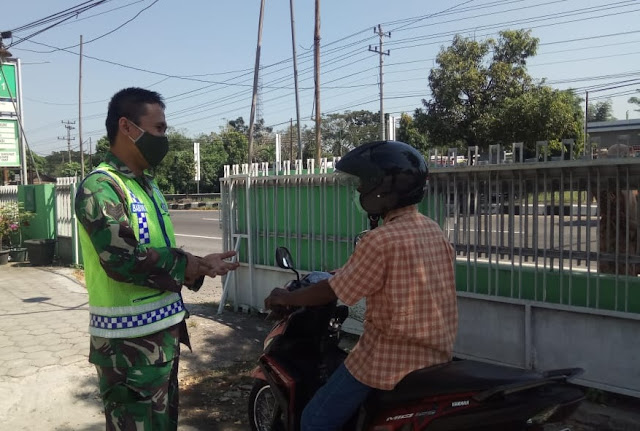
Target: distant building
604, 134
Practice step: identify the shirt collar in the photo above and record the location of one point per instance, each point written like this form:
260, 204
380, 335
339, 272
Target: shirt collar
119, 165
399, 212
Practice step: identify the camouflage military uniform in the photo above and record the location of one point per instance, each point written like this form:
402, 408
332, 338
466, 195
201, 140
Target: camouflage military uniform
138, 376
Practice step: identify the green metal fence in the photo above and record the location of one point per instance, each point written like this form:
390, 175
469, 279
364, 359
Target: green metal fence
522, 231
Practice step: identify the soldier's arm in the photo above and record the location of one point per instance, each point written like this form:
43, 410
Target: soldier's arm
99, 208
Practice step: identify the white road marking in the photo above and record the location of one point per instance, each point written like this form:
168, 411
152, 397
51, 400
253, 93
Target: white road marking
199, 236
215, 219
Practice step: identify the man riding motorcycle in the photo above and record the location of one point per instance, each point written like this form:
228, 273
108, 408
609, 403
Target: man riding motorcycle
403, 268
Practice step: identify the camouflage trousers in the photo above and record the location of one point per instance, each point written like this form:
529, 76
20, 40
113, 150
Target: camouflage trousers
141, 398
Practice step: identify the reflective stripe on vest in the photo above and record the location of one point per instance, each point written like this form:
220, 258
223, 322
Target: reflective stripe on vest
125, 310
169, 310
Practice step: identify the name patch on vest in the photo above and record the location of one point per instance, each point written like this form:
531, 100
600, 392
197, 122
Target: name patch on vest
138, 207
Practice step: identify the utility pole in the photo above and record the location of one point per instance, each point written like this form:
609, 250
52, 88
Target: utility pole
256, 71
90, 154
316, 56
80, 112
380, 51
586, 120
295, 78
69, 127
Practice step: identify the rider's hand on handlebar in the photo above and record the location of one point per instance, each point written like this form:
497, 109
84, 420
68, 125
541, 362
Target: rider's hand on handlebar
278, 296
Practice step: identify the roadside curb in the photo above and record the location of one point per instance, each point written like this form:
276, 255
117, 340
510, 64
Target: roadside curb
194, 205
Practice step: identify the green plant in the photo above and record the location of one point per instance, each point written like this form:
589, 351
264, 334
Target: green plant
13, 218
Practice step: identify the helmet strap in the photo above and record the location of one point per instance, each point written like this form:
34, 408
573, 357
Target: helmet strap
373, 221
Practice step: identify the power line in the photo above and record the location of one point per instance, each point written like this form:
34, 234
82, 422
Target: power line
103, 35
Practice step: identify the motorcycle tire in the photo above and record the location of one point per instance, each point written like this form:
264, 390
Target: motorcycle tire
262, 407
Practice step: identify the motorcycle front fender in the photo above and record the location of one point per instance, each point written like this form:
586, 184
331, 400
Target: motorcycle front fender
257, 373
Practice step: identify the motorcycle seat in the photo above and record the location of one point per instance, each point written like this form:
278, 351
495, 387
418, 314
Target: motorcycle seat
453, 377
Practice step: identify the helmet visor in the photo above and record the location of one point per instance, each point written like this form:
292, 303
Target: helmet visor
348, 180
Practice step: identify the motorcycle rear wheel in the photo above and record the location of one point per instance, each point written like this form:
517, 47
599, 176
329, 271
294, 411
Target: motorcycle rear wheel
262, 408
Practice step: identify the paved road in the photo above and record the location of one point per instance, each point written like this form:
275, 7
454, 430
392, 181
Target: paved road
198, 232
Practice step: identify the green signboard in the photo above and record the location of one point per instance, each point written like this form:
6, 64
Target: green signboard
8, 81
9, 143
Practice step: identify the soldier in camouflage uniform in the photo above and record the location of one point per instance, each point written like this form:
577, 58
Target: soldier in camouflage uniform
134, 271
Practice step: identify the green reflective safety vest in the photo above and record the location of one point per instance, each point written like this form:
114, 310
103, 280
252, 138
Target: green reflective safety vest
125, 310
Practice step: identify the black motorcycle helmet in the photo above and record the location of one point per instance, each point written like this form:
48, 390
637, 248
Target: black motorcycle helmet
391, 175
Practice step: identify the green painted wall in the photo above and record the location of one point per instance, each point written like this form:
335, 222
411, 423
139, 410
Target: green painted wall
41, 200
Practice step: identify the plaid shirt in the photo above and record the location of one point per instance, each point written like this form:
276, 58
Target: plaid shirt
404, 269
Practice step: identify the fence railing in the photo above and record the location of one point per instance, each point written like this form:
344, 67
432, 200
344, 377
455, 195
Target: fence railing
65, 188
8, 194
563, 232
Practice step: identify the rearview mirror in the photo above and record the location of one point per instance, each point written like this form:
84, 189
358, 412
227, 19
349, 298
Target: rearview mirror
283, 258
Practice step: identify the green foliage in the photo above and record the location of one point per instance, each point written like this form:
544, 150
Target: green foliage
635, 101
342, 132
409, 132
482, 94
600, 111
70, 169
13, 218
102, 148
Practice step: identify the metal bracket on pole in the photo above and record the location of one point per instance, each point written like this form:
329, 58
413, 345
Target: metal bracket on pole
545, 146
519, 147
494, 148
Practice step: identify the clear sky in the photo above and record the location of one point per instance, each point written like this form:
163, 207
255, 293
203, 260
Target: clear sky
199, 54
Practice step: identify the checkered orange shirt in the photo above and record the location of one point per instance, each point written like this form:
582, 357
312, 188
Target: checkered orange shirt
404, 269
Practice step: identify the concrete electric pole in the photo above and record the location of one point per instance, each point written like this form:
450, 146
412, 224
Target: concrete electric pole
380, 51
69, 127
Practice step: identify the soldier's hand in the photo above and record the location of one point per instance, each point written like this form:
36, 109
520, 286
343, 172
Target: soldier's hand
217, 263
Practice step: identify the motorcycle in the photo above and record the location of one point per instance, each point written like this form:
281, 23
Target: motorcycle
302, 351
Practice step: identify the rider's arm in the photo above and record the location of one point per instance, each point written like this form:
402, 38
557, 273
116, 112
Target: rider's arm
317, 294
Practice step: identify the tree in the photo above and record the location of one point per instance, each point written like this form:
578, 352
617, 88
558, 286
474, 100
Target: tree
540, 114
600, 111
467, 88
236, 146
40, 164
635, 100
70, 169
482, 94
102, 148
409, 133
342, 132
